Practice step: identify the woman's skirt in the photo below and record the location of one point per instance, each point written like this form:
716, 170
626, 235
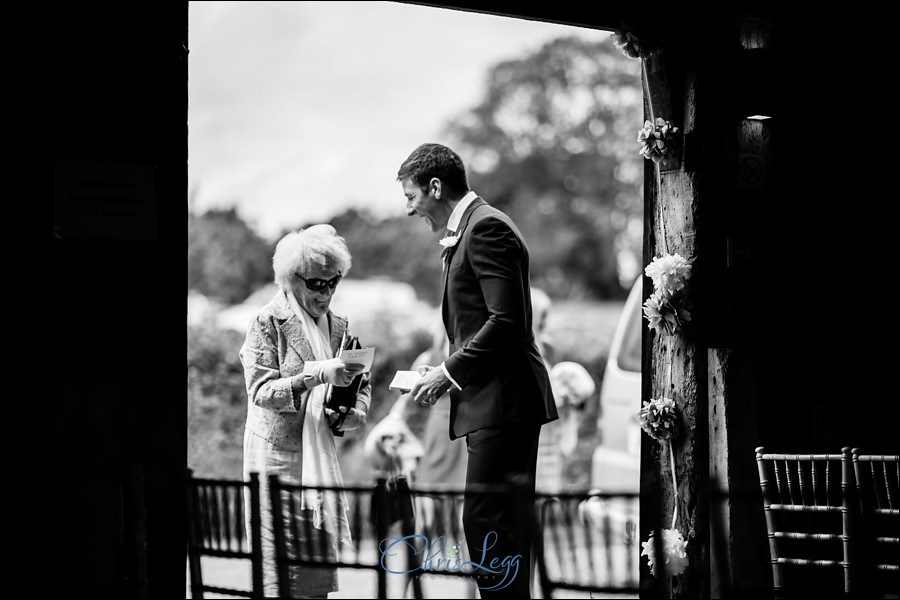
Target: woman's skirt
265, 459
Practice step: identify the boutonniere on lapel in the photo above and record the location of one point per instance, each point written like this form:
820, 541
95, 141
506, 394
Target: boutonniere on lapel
448, 241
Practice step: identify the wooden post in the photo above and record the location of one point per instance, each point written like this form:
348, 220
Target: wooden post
671, 209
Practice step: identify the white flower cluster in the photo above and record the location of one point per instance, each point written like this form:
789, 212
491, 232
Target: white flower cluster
667, 309
632, 47
669, 273
448, 241
658, 418
657, 139
674, 552
628, 43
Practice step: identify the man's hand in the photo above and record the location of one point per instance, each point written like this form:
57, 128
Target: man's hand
431, 387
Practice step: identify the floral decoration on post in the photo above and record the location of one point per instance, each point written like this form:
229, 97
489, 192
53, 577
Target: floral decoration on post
628, 43
633, 46
674, 551
665, 316
667, 307
658, 418
658, 136
666, 311
669, 273
657, 139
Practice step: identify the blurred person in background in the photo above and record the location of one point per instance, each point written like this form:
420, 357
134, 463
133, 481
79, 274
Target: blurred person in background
436, 462
290, 365
572, 387
540, 307
444, 459
436, 459
550, 457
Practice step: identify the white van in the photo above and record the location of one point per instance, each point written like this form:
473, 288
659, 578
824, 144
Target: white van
616, 463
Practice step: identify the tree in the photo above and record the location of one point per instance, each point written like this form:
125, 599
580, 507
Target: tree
395, 248
552, 143
227, 260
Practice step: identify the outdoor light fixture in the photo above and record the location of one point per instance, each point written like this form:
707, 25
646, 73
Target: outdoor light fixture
758, 117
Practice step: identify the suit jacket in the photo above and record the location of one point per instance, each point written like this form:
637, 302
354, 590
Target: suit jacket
274, 351
486, 309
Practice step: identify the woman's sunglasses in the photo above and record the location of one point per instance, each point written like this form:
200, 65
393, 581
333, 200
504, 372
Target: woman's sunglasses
317, 285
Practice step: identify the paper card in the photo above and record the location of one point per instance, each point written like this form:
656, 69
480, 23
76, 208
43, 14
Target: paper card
404, 380
363, 356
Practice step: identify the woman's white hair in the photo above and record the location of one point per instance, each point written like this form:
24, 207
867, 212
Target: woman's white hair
299, 251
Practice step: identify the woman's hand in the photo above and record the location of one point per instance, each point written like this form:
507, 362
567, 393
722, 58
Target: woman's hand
336, 372
354, 419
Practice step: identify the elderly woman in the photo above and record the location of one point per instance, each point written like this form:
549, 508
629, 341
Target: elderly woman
291, 362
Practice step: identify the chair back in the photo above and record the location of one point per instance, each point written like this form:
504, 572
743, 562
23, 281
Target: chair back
215, 523
809, 520
587, 542
299, 543
878, 485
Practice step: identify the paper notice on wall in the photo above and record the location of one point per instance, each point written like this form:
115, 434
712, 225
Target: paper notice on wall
104, 201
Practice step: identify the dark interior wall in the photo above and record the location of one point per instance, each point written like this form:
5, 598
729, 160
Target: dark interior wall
829, 250
108, 83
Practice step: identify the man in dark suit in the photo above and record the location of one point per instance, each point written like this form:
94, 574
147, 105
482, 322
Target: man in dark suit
499, 386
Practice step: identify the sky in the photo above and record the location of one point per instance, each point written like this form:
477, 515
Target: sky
300, 110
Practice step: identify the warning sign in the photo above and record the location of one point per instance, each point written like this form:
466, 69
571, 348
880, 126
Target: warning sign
751, 178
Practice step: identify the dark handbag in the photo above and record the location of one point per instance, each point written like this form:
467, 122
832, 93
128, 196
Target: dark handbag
395, 502
344, 396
